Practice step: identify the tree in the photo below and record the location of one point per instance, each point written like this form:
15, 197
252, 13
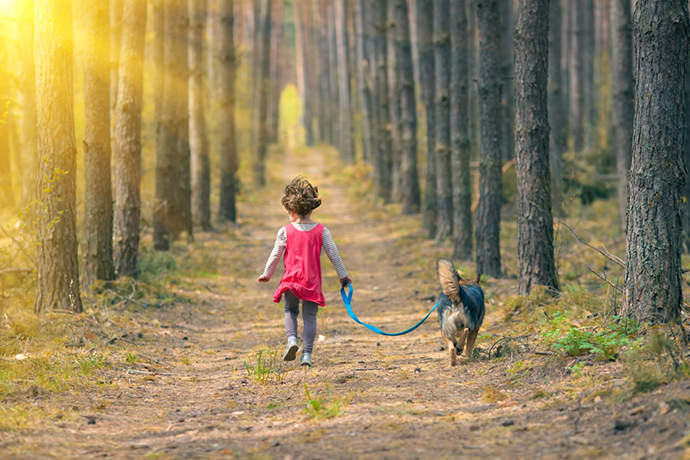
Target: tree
490, 185
535, 222
198, 138
28, 100
115, 12
57, 265
409, 176
262, 87
444, 185
425, 46
97, 242
576, 74
127, 143
345, 146
623, 96
382, 163
277, 30
226, 111
459, 132
173, 210
557, 112
507, 95
653, 276
321, 25
393, 72
6, 195
363, 88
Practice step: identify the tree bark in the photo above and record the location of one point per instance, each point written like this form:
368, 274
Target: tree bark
623, 96
576, 72
363, 90
226, 111
459, 132
383, 164
557, 114
29, 155
535, 223
198, 138
345, 146
57, 265
173, 215
409, 176
588, 90
444, 185
97, 239
321, 8
6, 196
425, 46
653, 276
115, 13
333, 99
308, 66
273, 115
508, 93
393, 72
686, 156
490, 185
127, 151
263, 83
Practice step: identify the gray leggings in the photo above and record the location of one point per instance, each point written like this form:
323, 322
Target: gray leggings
309, 311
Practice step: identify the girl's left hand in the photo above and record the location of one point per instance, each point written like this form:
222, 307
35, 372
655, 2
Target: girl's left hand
263, 279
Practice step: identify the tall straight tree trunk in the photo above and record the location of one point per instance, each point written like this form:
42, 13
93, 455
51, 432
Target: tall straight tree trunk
576, 72
127, 151
508, 94
97, 240
653, 272
370, 76
308, 58
409, 176
333, 101
557, 113
6, 127
444, 185
262, 83
275, 68
382, 167
198, 138
489, 210
159, 60
346, 148
588, 70
321, 27
393, 72
173, 215
115, 12
623, 96
459, 132
363, 91
536, 265
57, 277
28, 99
686, 156
425, 46
226, 112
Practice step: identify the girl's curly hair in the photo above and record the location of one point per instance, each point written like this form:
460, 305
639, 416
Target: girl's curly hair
300, 197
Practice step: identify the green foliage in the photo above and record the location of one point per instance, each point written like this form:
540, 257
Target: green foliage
88, 364
265, 368
131, 358
661, 360
604, 343
324, 407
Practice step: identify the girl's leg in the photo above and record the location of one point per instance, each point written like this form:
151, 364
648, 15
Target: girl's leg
309, 311
291, 312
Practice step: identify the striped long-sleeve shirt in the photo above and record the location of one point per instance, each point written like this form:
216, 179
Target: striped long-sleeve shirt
328, 247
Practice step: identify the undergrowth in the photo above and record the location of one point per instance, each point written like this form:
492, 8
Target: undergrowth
265, 368
320, 406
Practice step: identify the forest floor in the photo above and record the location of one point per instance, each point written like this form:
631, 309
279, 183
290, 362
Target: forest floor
179, 373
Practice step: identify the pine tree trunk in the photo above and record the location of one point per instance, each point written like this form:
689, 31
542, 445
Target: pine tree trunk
307, 59
159, 60
393, 72
490, 185
97, 240
444, 185
623, 96
321, 26
576, 87
226, 112
346, 148
57, 265
382, 167
653, 272
425, 45
686, 156
127, 142
507, 71
557, 114
536, 265
333, 101
6, 196
363, 90
275, 77
409, 176
173, 215
115, 13
459, 132
588, 72
29, 155
198, 138
262, 83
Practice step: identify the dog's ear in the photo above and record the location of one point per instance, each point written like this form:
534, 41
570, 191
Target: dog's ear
448, 278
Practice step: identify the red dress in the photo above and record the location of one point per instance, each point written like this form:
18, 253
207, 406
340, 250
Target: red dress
302, 260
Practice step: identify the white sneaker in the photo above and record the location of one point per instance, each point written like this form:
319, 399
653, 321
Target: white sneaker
291, 349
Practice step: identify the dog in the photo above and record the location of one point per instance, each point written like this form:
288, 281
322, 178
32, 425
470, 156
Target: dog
460, 310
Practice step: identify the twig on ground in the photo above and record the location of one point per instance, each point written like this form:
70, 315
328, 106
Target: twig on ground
128, 299
615, 259
605, 279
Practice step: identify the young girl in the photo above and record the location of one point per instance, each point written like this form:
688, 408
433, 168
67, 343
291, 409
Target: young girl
302, 242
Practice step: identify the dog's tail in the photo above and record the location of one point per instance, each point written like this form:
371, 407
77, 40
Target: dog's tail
448, 277
479, 277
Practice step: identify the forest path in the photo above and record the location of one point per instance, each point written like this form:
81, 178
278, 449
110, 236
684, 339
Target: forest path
186, 393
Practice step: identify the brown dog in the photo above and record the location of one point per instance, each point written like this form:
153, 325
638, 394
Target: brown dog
460, 310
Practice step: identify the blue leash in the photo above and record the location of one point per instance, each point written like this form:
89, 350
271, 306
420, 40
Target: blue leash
347, 300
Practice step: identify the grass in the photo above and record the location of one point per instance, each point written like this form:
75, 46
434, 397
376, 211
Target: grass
265, 368
321, 407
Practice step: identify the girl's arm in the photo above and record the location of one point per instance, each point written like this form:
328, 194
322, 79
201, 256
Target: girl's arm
331, 251
274, 258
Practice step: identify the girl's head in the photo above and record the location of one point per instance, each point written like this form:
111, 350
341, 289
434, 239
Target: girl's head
300, 197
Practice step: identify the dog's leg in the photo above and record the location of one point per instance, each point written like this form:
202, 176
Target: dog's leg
461, 340
471, 339
451, 351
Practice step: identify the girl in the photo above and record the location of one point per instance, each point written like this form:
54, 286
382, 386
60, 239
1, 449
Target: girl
302, 241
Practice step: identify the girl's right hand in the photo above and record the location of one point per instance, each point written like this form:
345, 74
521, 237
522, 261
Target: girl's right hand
263, 279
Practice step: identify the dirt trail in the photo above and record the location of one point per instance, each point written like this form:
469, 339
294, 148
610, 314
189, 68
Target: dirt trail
190, 396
